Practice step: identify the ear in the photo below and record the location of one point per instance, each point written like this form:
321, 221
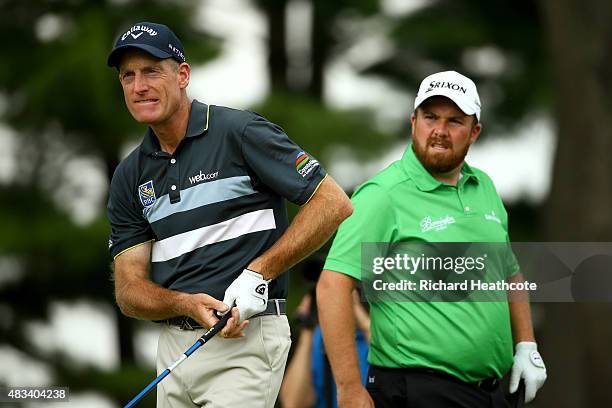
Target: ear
184, 72
413, 119
476, 129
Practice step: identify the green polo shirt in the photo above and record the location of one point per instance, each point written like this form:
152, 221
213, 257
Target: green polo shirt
404, 203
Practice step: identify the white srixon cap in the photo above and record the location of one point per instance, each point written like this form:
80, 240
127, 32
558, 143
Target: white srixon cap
458, 88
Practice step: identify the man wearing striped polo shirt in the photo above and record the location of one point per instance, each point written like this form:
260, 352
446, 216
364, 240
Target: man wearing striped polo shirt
197, 214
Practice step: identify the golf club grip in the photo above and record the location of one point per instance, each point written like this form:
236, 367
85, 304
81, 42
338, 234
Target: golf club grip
217, 326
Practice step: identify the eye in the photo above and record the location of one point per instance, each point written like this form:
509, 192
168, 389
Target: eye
152, 72
126, 76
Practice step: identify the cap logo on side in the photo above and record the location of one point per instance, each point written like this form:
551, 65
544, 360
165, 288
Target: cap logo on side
176, 51
143, 29
438, 84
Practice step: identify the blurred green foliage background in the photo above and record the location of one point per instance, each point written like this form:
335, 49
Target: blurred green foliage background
61, 104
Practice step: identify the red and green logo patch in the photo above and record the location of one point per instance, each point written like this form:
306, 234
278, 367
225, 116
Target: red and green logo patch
301, 160
304, 164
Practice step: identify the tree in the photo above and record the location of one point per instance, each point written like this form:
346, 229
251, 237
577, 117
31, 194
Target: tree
324, 40
497, 43
578, 208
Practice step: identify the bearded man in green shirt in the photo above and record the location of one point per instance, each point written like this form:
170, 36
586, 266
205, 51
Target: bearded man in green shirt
429, 354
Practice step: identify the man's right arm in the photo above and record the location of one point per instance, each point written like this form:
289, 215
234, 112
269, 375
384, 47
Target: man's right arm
140, 298
335, 304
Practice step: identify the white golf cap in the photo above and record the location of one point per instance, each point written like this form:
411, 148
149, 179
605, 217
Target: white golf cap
458, 88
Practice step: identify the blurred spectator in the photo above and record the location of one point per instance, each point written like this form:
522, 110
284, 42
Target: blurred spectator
308, 380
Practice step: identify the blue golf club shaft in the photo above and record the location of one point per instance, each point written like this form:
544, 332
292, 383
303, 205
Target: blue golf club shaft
199, 343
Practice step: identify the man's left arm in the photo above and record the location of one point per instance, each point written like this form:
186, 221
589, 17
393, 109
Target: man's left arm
520, 312
313, 225
528, 364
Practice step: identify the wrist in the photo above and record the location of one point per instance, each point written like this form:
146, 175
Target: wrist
305, 336
350, 383
524, 338
184, 304
258, 266
526, 346
255, 274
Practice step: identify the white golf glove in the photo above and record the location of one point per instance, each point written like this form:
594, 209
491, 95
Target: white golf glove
529, 366
250, 292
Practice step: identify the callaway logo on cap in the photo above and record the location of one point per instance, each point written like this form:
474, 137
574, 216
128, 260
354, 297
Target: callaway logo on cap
458, 88
156, 39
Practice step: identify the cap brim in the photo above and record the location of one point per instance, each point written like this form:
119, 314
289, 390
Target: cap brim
115, 55
465, 107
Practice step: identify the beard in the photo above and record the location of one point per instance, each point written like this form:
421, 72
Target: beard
439, 162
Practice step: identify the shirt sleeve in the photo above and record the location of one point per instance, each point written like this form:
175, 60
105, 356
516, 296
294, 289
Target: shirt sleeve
129, 228
280, 163
511, 264
372, 221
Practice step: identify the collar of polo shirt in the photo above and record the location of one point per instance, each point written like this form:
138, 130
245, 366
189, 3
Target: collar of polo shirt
422, 178
197, 126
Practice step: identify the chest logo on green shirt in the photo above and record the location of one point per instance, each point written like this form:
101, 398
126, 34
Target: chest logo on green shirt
428, 224
146, 193
492, 217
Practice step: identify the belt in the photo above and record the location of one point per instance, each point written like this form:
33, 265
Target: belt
487, 384
274, 307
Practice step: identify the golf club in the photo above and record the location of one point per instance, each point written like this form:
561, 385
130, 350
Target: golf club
199, 343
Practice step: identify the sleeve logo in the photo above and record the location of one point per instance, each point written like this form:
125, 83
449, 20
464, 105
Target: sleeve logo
146, 193
304, 164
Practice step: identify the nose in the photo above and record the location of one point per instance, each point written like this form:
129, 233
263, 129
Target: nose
140, 83
440, 128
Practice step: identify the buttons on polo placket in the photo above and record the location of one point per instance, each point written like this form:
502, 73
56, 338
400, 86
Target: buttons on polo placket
466, 207
174, 181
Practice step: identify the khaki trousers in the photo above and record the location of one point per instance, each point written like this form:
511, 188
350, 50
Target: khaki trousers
225, 373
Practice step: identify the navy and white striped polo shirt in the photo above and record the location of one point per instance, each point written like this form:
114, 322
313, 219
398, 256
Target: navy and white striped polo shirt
215, 204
